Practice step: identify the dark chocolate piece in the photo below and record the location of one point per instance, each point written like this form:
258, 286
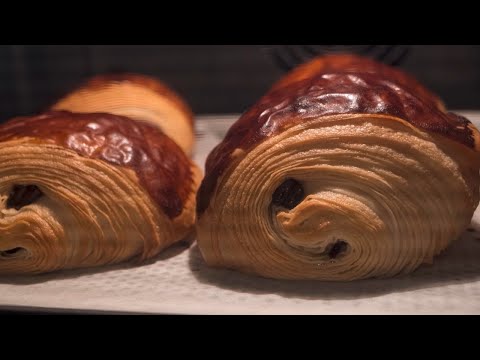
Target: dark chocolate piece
23, 195
337, 248
289, 194
11, 252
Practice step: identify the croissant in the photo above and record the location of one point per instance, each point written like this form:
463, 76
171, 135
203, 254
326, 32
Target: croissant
136, 96
84, 190
346, 169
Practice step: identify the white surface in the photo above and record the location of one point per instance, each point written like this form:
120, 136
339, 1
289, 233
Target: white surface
179, 282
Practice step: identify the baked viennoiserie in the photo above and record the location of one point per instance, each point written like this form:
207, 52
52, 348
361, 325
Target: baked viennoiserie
83, 190
136, 96
345, 169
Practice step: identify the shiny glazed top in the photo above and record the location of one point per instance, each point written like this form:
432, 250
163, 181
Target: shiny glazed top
161, 166
333, 85
101, 81
354, 64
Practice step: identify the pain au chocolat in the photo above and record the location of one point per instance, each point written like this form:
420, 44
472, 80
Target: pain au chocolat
83, 190
346, 169
136, 96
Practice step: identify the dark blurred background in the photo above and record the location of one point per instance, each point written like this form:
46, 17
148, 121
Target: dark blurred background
212, 78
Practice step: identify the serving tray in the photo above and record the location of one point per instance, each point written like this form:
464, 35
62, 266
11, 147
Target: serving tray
179, 282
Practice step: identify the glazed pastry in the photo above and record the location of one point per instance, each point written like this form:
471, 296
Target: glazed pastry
84, 190
346, 169
138, 97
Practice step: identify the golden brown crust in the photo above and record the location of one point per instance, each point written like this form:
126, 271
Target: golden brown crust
162, 167
138, 97
335, 85
347, 63
104, 80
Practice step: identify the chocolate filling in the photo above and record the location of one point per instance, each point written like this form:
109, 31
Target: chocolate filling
289, 194
11, 252
337, 248
22, 195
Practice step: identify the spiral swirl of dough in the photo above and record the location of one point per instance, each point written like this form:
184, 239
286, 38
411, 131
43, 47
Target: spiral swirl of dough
379, 198
90, 213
